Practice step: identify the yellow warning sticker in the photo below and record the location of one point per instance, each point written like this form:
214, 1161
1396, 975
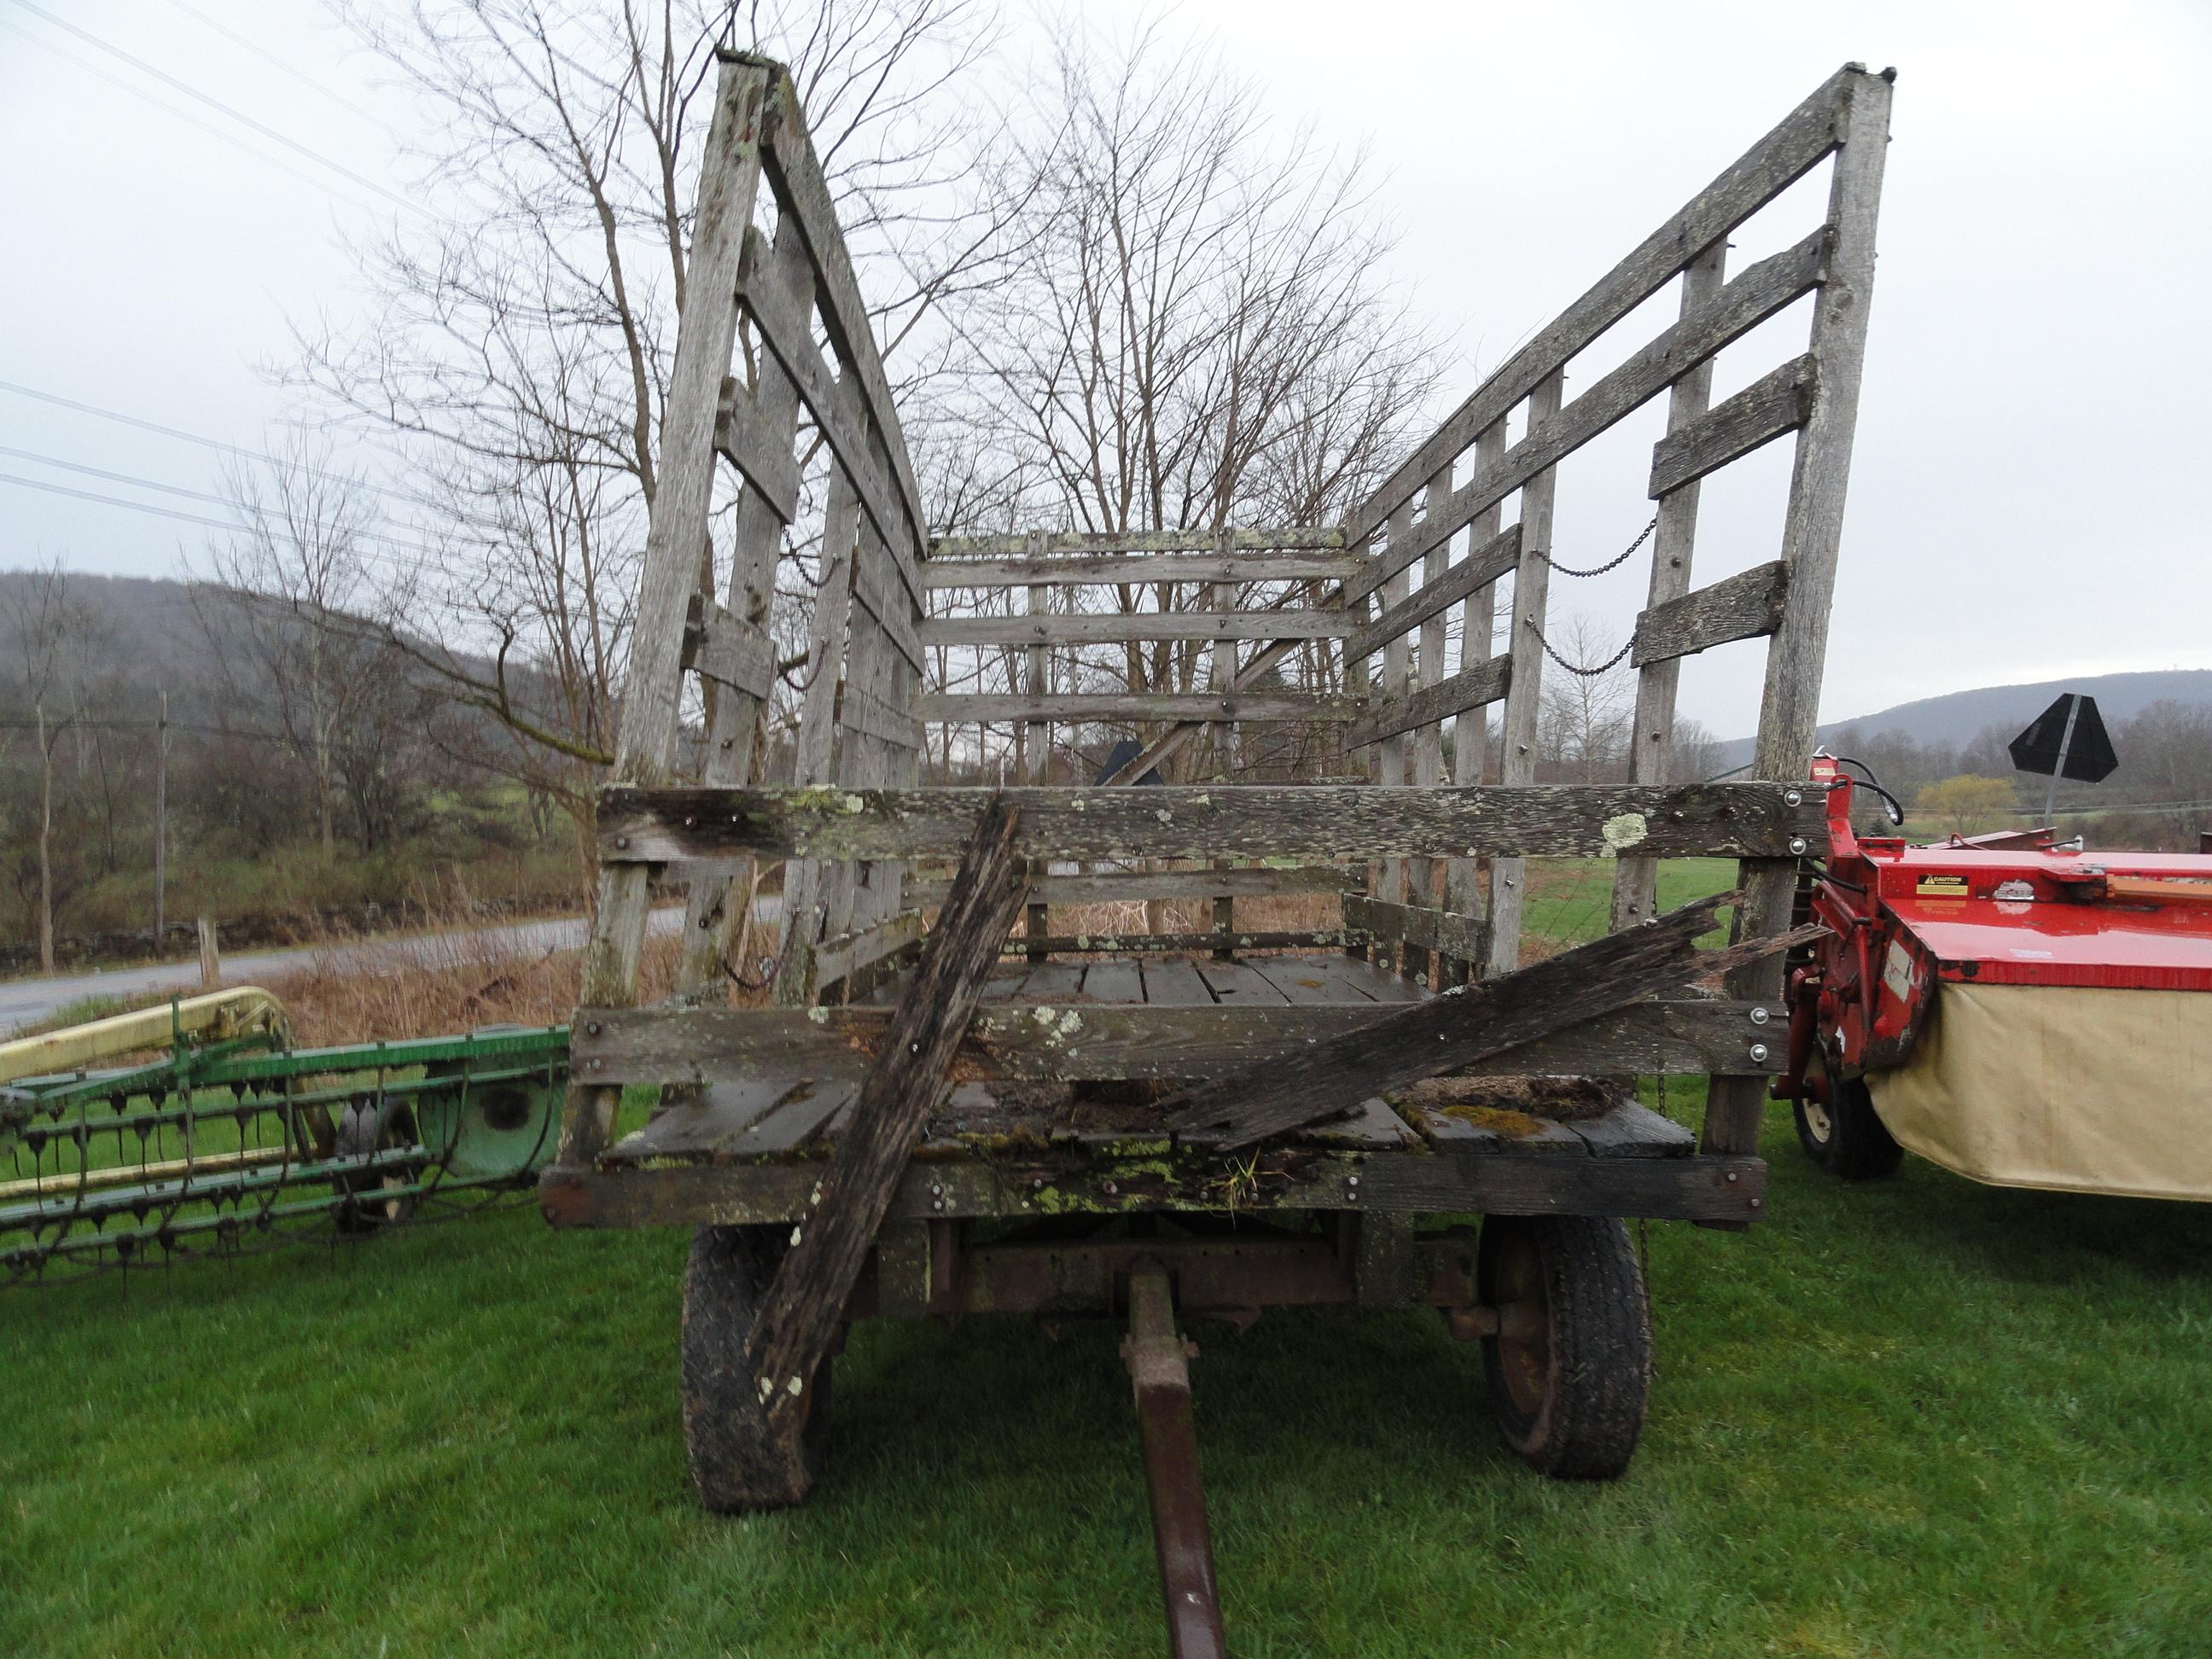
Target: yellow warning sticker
1949, 887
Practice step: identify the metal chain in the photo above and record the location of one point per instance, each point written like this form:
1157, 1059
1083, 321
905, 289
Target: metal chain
1613, 563
1587, 672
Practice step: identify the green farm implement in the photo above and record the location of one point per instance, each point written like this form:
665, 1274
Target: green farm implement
197, 1129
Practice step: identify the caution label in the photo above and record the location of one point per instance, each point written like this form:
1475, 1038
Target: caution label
1947, 887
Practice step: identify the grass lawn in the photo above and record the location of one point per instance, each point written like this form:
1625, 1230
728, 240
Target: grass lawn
1918, 1417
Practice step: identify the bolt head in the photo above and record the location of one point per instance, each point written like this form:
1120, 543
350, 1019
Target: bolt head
1797, 844
622, 843
592, 1028
1352, 1180
1731, 1175
1759, 1051
1759, 1016
1793, 797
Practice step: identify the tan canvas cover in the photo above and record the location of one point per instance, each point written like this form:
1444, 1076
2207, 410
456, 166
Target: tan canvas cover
2074, 1089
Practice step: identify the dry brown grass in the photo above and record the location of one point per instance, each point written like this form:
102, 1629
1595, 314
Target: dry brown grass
1269, 913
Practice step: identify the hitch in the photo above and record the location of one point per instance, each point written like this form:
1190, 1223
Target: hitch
1159, 1369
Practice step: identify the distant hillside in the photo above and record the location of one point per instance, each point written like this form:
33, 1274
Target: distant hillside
1958, 717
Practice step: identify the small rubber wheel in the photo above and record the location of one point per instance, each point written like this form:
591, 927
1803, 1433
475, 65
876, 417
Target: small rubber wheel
738, 1462
1845, 1137
1569, 1366
369, 1127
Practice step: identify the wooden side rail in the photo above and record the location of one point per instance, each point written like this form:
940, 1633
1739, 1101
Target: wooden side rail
1709, 820
698, 1046
1121, 886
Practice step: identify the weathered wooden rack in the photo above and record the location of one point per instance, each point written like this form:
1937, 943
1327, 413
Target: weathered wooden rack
1041, 1144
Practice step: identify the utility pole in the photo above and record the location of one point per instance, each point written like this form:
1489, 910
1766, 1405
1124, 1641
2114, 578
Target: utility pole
161, 825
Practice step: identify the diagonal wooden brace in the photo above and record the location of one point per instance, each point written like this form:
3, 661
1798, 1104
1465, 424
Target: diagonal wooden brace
1464, 1025
798, 1319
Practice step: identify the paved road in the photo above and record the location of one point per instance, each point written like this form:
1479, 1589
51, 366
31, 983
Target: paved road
26, 1001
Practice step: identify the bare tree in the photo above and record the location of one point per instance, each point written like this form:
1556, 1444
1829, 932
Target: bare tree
45, 621
521, 349
1582, 733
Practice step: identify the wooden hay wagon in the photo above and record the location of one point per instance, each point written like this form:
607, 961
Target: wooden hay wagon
960, 1101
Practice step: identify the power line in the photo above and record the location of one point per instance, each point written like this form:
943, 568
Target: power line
271, 57
116, 478
188, 118
215, 444
189, 91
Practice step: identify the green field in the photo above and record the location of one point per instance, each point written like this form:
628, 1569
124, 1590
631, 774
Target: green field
1918, 1417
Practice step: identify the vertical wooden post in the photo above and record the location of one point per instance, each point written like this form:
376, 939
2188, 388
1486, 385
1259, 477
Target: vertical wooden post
161, 824
1463, 892
1428, 743
1516, 763
1221, 679
1651, 738
1394, 751
210, 958
1812, 535
1036, 745
733, 728
815, 756
645, 743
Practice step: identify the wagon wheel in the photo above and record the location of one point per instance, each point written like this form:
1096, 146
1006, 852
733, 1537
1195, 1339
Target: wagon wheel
1569, 1366
738, 1461
1844, 1136
369, 1126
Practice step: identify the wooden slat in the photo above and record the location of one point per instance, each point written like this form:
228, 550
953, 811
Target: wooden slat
1484, 684
1113, 885
1236, 986
1496, 557
795, 175
1651, 732
888, 603
840, 957
1741, 306
1293, 538
1130, 569
1758, 415
780, 318
861, 711
1422, 926
1304, 982
664, 826
1633, 1129
753, 1117
1741, 607
1769, 167
1180, 1032
1307, 1082
1115, 981
1111, 626
720, 646
1250, 940
798, 1317
969, 708
751, 443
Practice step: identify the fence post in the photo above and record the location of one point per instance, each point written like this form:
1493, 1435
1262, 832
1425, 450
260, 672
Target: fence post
210, 961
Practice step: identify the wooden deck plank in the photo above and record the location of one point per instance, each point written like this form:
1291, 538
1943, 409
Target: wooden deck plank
1051, 981
1235, 985
1175, 985
1300, 979
1114, 981
1374, 1125
1633, 1129
1005, 983
755, 1117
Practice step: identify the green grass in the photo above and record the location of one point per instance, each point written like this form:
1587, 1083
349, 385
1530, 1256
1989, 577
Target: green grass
1920, 1418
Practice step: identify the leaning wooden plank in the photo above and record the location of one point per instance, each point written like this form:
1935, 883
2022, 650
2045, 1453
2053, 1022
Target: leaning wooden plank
1178, 820
1758, 415
1312, 1080
1496, 557
838, 959
1180, 1034
1769, 167
798, 1317
1554, 434
1634, 1130
966, 708
1260, 539
1477, 687
1129, 569
1745, 606
1109, 627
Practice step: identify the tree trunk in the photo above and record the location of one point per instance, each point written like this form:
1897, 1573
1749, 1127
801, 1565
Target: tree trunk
46, 846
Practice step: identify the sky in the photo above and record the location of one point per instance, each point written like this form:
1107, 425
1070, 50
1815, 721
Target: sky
2026, 501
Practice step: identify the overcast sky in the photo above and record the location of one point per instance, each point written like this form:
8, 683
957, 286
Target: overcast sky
2027, 500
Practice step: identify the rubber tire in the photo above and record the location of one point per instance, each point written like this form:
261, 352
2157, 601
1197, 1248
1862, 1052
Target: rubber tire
1857, 1146
738, 1464
1594, 1376
365, 1127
